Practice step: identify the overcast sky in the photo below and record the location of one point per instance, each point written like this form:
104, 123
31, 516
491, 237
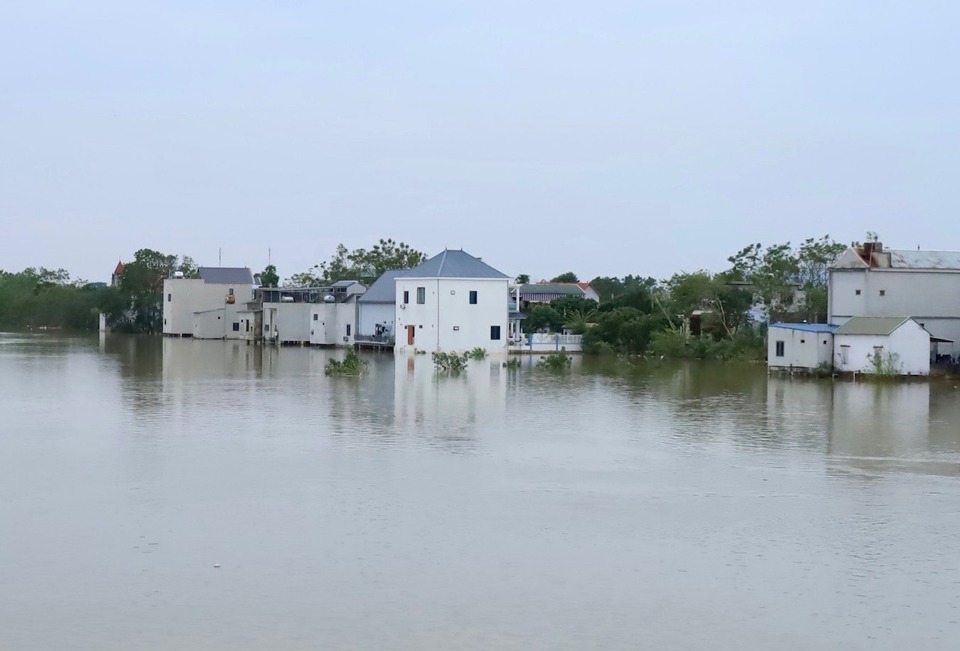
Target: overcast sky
605, 138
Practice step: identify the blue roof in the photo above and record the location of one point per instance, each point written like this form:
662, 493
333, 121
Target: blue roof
227, 275
806, 327
453, 263
384, 289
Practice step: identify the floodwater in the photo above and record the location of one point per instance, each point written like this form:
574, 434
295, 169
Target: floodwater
178, 494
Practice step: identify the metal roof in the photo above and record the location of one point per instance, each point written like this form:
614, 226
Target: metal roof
384, 289
345, 283
227, 275
453, 263
805, 327
554, 289
871, 325
909, 259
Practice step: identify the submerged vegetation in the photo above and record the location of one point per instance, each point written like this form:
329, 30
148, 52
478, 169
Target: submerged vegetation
477, 353
560, 361
351, 364
450, 362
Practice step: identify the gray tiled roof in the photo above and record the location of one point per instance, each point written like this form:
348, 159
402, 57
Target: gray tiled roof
908, 259
227, 275
871, 325
453, 263
558, 289
384, 289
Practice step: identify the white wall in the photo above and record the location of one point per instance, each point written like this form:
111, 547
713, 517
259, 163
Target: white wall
293, 321
184, 296
910, 343
209, 324
931, 297
329, 321
447, 321
801, 349
373, 313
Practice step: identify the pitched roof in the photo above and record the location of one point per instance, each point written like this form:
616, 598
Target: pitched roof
119, 268
872, 325
384, 288
806, 327
452, 263
226, 275
909, 259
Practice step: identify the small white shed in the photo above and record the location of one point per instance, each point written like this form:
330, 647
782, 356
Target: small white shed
871, 344
799, 346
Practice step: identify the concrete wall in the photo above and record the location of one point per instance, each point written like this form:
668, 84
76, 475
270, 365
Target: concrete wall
182, 297
801, 349
210, 324
931, 297
370, 314
910, 343
329, 321
447, 321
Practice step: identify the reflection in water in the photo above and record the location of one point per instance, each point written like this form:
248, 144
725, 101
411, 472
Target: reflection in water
605, 507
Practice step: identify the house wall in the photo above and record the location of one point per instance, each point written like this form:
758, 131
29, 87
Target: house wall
931, 297
447, 321
184, 296
801, 349
909, 342
370, 314
209, 324
329, 321
292, 321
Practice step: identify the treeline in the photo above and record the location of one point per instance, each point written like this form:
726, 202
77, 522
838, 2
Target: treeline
699, 314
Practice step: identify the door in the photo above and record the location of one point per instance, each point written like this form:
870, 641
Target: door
411, 331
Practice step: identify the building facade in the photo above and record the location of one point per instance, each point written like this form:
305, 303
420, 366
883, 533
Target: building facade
799, 346
896, 345
207, 307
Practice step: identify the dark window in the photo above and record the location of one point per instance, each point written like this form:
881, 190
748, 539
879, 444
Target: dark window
348, 329
169, 298
858, 292
236, 327
314, 317
803, 341
883, 292
473, 297
230, 291
779, 349
495, 333
421, 295
406, 297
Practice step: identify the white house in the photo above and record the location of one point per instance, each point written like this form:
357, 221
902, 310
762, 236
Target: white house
311, 315
899, 344
452, 302
377, 309
207, 307
799, 346
869, 280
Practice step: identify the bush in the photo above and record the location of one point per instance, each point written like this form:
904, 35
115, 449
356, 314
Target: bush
477, 353
351, 365
450, 362
556, 362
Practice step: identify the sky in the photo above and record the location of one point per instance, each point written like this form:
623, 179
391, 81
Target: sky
603, 138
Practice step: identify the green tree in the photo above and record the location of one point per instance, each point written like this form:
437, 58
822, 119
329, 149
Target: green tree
542, 317
269, 277
568, 277
523, 279
360, 264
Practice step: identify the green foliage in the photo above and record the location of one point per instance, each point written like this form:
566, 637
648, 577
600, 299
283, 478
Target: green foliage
568, 277
269, 277
450, 362
350, 365
513, 362
884, 364
746, 345
543, 317
46, 298
823, 369
610, 288
559, 361
360, 264
139, 307
477, 353
625, 329
523, 279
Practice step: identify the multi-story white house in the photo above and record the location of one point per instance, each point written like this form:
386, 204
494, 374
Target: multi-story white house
207, 307
452, 302
869, 280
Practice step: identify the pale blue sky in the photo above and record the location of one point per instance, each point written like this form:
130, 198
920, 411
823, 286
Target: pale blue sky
605, 138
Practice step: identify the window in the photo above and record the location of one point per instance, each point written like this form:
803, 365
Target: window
883, 292
857, 292
803, 341
473, 297
348, 329
406, 297
421, 295
230, 292
315, 317
169, 298
494, 333
779, 349
236, 327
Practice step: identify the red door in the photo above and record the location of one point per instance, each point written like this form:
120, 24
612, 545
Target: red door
411, 330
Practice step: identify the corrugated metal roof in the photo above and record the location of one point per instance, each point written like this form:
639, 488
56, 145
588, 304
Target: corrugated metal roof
345, 283
555, 289
227, 275
909, 259
453, 264
806, 327
871, 325
384, 288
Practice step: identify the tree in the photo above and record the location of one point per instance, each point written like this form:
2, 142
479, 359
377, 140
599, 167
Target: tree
523, 279
269, 277
568, 277
542, 317
609, 287
360, 264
